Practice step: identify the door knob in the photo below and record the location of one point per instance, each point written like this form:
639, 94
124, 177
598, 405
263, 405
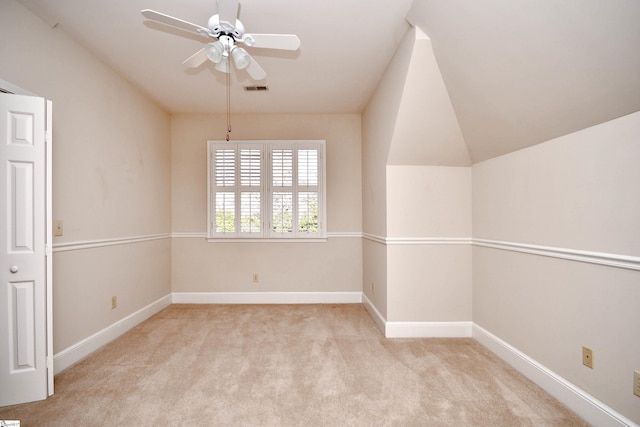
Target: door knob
13, 269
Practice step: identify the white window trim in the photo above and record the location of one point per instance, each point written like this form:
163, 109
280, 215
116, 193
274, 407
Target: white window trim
265, 190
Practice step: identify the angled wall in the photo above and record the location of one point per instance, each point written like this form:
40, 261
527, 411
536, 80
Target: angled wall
421, 234
111, 178
556, 265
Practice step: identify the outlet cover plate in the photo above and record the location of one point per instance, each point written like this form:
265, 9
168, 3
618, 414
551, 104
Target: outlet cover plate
587, 357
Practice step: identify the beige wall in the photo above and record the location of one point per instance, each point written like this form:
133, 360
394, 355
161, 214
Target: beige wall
426, 130
411, 211
429, 272
578, 192
378, 125
428, 201
335, 265
111, 175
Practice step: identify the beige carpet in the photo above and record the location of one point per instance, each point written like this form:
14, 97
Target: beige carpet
288, 365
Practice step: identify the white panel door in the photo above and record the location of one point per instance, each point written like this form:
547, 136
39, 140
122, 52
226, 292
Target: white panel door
23, 265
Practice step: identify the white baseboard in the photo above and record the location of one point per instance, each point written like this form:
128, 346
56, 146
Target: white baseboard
82, 349
267, 297
460, 329
588, 407
374, 313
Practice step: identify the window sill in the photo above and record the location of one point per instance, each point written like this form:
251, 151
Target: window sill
271, 240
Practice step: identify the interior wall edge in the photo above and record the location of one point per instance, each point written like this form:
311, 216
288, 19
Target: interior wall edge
594, 411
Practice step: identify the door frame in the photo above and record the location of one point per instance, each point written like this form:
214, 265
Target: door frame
9, 88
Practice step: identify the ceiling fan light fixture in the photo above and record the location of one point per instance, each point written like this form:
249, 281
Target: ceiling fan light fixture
223, 65
241, 58
215, 52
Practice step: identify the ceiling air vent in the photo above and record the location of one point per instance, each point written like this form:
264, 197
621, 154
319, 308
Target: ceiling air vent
256, 88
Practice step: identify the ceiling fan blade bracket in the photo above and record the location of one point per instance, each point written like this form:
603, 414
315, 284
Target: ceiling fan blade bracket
205, 32
248, 40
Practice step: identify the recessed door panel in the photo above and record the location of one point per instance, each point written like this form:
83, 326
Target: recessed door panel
22, 333
20, 202
20, 127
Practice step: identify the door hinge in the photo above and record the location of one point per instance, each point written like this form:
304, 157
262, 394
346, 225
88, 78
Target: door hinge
47, 136
47, 250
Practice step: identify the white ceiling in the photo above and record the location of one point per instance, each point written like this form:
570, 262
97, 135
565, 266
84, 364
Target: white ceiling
518, 72
345, 47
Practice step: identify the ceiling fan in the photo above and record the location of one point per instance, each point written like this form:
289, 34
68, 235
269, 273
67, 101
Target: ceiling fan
228, 32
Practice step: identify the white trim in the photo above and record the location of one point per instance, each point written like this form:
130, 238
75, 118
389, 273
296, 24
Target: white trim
344, 234
267, 297
375, 238
586, 406
461, 329
268, 240
374, 313
99, 243
418, 240
602, 258
428, 240
330, 235
75, 353
189, 234
91, 244
13, 89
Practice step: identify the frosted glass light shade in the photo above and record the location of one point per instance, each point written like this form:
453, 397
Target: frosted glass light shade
223, 65
240, 57
214, 51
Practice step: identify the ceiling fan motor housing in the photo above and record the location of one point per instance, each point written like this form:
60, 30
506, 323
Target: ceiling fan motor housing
218, 29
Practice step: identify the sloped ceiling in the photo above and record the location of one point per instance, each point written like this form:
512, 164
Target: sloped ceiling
520, 72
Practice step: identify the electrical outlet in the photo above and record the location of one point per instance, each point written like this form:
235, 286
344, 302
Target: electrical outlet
256, 278
114, 302
636, 383
587, 357
57, 228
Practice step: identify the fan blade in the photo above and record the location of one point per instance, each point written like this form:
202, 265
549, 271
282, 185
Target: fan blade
228, 13
196, 59
255, 71
272, 41
175, 22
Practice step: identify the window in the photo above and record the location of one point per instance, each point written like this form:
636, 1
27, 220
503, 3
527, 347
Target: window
266, 190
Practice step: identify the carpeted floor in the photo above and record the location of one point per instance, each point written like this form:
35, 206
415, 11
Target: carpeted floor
288, 365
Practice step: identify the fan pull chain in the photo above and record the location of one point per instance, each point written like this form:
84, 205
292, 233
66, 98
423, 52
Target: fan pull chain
228, 99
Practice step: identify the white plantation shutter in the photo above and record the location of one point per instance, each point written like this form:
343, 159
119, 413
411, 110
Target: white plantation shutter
250, 189
282, 191
266, 189
224, 172
308, 221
